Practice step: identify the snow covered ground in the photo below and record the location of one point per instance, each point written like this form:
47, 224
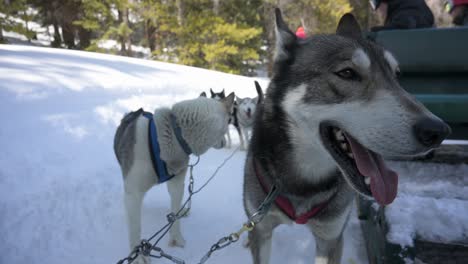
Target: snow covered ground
60, 186
432, 203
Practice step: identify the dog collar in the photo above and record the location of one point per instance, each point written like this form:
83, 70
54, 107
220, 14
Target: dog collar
178, 133
284, 204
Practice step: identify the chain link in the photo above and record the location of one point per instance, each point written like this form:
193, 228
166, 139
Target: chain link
133, 255
162, 254
248, 226
145, 247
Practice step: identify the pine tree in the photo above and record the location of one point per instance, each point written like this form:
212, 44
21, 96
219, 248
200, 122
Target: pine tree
158, 20
123, 30
315, 15
95, 17
205, 39
48, 14
98, 16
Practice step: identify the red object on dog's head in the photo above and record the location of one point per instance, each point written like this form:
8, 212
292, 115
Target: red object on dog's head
300, 33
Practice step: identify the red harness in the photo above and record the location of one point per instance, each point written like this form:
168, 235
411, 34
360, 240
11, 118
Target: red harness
285, 205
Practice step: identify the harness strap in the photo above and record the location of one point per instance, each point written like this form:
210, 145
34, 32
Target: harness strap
285, 205
158, 164
178, 133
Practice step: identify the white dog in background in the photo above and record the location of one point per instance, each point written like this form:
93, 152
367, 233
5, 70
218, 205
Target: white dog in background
245, 116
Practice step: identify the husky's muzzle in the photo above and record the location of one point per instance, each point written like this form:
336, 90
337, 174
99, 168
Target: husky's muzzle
364, 169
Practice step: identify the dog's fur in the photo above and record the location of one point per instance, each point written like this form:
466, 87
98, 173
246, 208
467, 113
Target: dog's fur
203, 123
327, 81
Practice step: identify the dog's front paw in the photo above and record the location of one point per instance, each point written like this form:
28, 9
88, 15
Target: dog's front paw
177, 242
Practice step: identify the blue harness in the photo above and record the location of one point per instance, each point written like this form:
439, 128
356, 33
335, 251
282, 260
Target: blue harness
159, 165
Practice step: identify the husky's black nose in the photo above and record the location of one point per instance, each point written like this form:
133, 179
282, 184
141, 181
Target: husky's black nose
431, 132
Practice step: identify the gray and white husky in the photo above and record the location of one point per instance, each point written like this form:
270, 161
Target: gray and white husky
244, 114
203, 123
332, 112
232, 120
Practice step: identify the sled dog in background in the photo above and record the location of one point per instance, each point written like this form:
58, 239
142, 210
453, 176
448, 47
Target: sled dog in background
217, 96
242, 115
196, 125
232, 120
245, 114
334, 111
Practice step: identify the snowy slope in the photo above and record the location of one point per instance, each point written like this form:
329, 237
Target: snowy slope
60, 185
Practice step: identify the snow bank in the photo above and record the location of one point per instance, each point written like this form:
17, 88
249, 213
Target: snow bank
438, 220
432, 203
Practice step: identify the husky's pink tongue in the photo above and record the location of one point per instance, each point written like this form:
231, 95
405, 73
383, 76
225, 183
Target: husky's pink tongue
384, 181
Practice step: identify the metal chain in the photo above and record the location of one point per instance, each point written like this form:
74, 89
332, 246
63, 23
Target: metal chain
162, 254
145, 247
248, 226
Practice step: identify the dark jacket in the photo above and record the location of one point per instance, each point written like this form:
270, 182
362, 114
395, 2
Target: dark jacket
462, 18
407, 14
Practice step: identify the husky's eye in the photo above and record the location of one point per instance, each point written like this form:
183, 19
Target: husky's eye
348, 74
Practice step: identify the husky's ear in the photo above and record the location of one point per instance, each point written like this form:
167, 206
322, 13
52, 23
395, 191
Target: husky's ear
203, 94
212, 93
349, 27
222, 93
285, 38
228, 102
259, 92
